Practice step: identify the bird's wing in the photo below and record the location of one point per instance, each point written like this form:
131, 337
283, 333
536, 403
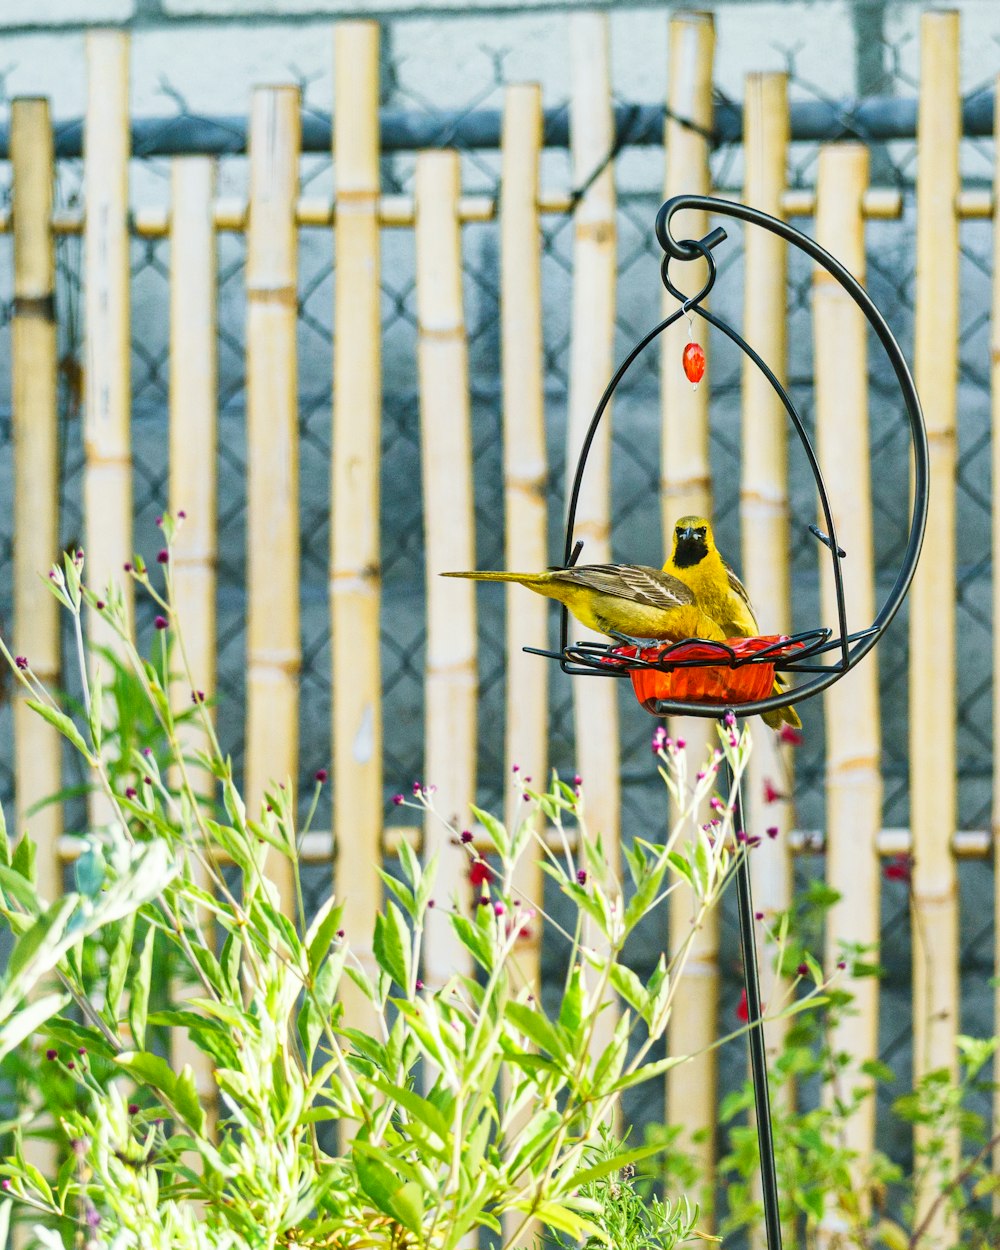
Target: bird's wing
636, 582
738, 589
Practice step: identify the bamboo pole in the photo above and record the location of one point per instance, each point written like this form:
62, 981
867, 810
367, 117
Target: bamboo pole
449, 539
995, 413
107, 479
355, 554
320, 212
853, 743
192, 484
37, 750
525, 482
764, 498
595, 703
686, 489
933, 798
525, 467
273, 645
764, 485
34, 422
193, 424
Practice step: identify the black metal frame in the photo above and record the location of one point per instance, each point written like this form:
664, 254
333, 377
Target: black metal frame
597, 659
592, 659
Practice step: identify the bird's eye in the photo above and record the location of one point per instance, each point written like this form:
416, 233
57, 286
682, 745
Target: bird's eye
701, 532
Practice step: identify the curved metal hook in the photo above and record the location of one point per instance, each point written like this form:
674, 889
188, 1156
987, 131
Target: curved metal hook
856, 645
684, 249
701, 248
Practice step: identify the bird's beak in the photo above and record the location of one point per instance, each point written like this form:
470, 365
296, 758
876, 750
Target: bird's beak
686, 533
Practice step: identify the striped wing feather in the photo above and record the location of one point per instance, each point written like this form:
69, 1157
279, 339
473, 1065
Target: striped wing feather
738, 589
636, 582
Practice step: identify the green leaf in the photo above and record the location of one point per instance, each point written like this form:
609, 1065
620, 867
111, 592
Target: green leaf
138, 1006
381, 1185
814, 1201
187, 1100
410, 864
878, 1070
612, 1164
392, 945
23, 860
207, 1035
320, 934
647, 1072
149, 872
646, 891
94, 713
21, 1025
497, 832
235, 809
572, 1005
861, 969
90, 869
402, 891
892, 1235
75, 1035
118, 965
475, 940
422, 1110
534, 1142
801, 1004
277, 923
149, 1069
561, 1218
611, 1062
702, 865
327, 982
630, 987
38, 948
65, 726
408, 1204
681, 865
309, 1023
815, 971
536, 1027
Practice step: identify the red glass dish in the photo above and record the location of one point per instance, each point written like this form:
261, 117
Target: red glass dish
723, 683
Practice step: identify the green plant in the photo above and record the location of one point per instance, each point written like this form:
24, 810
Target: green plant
463, 1106
831, 1196
630, 1219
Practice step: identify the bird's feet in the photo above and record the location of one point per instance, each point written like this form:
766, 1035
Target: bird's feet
641, 644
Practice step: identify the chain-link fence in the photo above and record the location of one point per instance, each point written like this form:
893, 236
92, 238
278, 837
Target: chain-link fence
637, 535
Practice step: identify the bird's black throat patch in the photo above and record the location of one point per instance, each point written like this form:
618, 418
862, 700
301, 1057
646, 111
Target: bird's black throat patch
690, 551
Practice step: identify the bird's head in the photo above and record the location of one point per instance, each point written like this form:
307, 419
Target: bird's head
692, 541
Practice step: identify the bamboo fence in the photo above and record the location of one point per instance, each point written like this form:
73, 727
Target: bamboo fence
271, 217
686, 490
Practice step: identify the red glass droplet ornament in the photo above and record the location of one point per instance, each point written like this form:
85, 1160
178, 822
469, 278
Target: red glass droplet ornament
694, 363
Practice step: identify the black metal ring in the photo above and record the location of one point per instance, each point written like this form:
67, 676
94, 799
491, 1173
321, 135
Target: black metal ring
852, 646
687, 302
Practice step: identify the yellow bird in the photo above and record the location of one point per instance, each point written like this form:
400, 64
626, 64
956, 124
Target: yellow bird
695, 561
628, 600
695, 595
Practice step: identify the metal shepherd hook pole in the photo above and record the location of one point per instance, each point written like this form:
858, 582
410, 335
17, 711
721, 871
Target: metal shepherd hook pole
814, 658
758, 1056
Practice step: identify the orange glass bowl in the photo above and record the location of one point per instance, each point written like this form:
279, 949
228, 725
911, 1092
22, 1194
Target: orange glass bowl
723, 683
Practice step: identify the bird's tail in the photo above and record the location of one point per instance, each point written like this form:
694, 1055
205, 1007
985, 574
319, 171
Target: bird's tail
525, 579
781, 715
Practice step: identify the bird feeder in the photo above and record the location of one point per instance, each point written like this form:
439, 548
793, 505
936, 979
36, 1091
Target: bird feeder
695, 677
